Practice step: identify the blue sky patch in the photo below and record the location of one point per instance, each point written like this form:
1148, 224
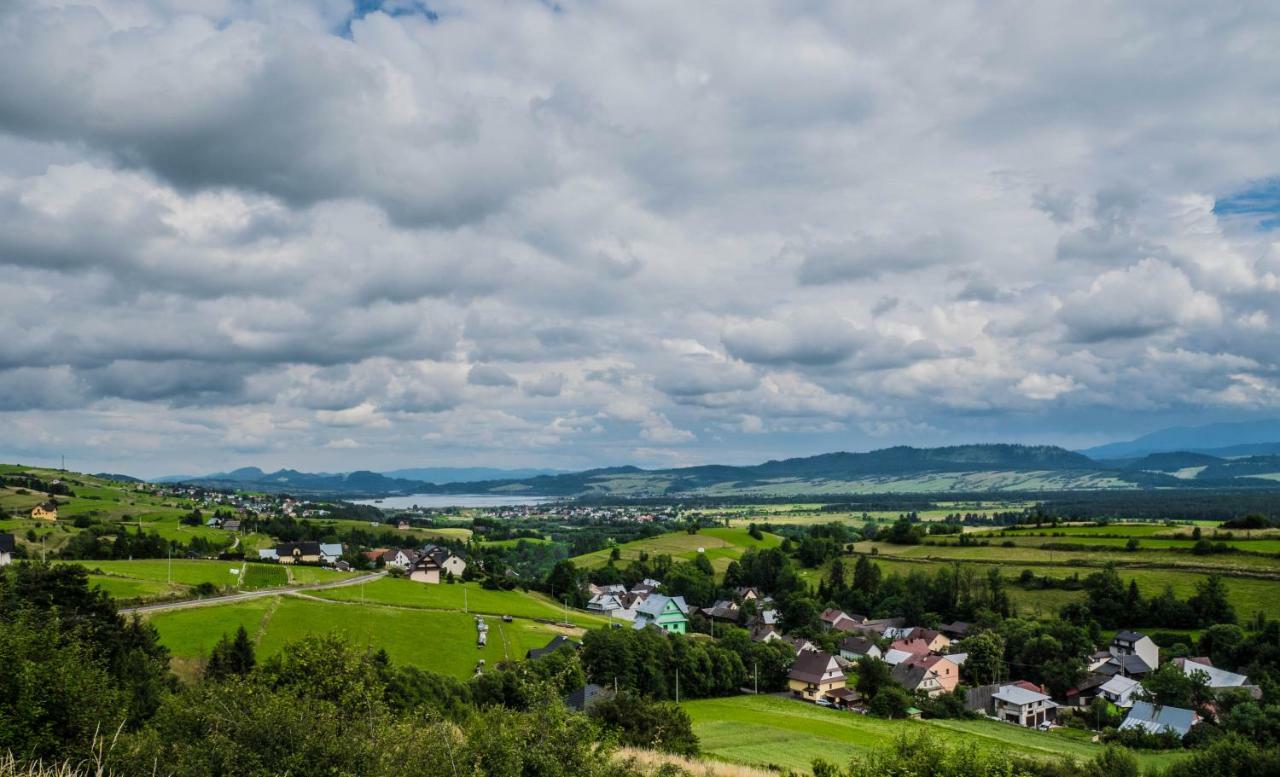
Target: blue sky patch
1260, 200
363, 8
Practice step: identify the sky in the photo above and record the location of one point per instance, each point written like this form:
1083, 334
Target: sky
334, 236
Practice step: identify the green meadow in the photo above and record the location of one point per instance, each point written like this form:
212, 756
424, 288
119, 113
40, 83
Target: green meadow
406, 593
770, 731
441, 641
720, 545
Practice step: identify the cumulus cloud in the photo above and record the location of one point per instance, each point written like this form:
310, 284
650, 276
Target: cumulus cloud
232, 230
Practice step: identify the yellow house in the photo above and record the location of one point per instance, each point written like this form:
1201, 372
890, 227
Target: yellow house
47, 511
815, 675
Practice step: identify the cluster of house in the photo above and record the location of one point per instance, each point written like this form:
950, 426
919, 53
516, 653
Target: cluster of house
929, 661
7, 544
922, 659
1116, 674
642, 605
428, 564
322, 553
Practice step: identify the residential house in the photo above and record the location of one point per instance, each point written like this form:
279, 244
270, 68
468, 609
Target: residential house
436, 563
1159, 719
1216, 679
1087, 689
956, 629
587, 697
7, 546
746, 593
724, 610
397, 558
930, 674
1119, 690
936, 640
916, 647
555, 644
45, 511
646, 587
838, 620
605, 602
800, 644
1127, 644
268, 554
893, 656
330, 552
765, 632
1018, 704
298, 553
815, 675
669, 613
855, 648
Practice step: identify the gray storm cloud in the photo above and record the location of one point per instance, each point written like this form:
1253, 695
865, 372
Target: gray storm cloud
328, 241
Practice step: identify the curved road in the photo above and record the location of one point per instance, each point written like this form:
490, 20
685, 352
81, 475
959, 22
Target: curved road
245, 595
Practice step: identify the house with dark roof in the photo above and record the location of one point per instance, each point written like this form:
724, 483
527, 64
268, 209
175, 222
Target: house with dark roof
930, 674
555, 644
7, 545
434, 563
839, 620
956, 629
854, 648
45, 511
587, 697
815, 675
298, 553
1127, 644
724, 610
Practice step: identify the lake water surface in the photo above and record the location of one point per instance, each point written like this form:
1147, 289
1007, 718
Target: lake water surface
452, 500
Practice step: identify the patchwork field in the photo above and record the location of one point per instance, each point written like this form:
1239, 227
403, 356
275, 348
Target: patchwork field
149, 579
406, 593
442, 641
719, 545
773, 731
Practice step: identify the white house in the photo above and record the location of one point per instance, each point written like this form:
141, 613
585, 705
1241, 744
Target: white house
1119, 690
1132, 643
330, 552
435, 564
1016, 704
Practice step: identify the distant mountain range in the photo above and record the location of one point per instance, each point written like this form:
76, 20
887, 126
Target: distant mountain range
1246, 438
1216, 456
351, 485
963, 468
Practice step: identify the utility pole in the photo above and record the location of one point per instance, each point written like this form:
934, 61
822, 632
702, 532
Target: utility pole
170, 563
755, 672
677, 685
464, 599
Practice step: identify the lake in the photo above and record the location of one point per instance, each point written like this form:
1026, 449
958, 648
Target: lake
452, 500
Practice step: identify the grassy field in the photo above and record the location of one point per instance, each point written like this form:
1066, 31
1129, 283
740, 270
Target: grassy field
1247, 595
257, 576
720, 546
441, 641
148, 579
767, 730
406, 593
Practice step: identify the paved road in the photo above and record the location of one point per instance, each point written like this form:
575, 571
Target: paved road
246, 595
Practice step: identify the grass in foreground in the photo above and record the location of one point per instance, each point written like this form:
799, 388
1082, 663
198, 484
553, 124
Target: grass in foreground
768, 730
442, 642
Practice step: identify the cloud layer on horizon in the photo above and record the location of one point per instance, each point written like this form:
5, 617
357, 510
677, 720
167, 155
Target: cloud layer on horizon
574, 234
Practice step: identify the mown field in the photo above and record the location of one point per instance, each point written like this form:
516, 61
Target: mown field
147, 579
720, 545
772, 731
406, 593
439, 640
